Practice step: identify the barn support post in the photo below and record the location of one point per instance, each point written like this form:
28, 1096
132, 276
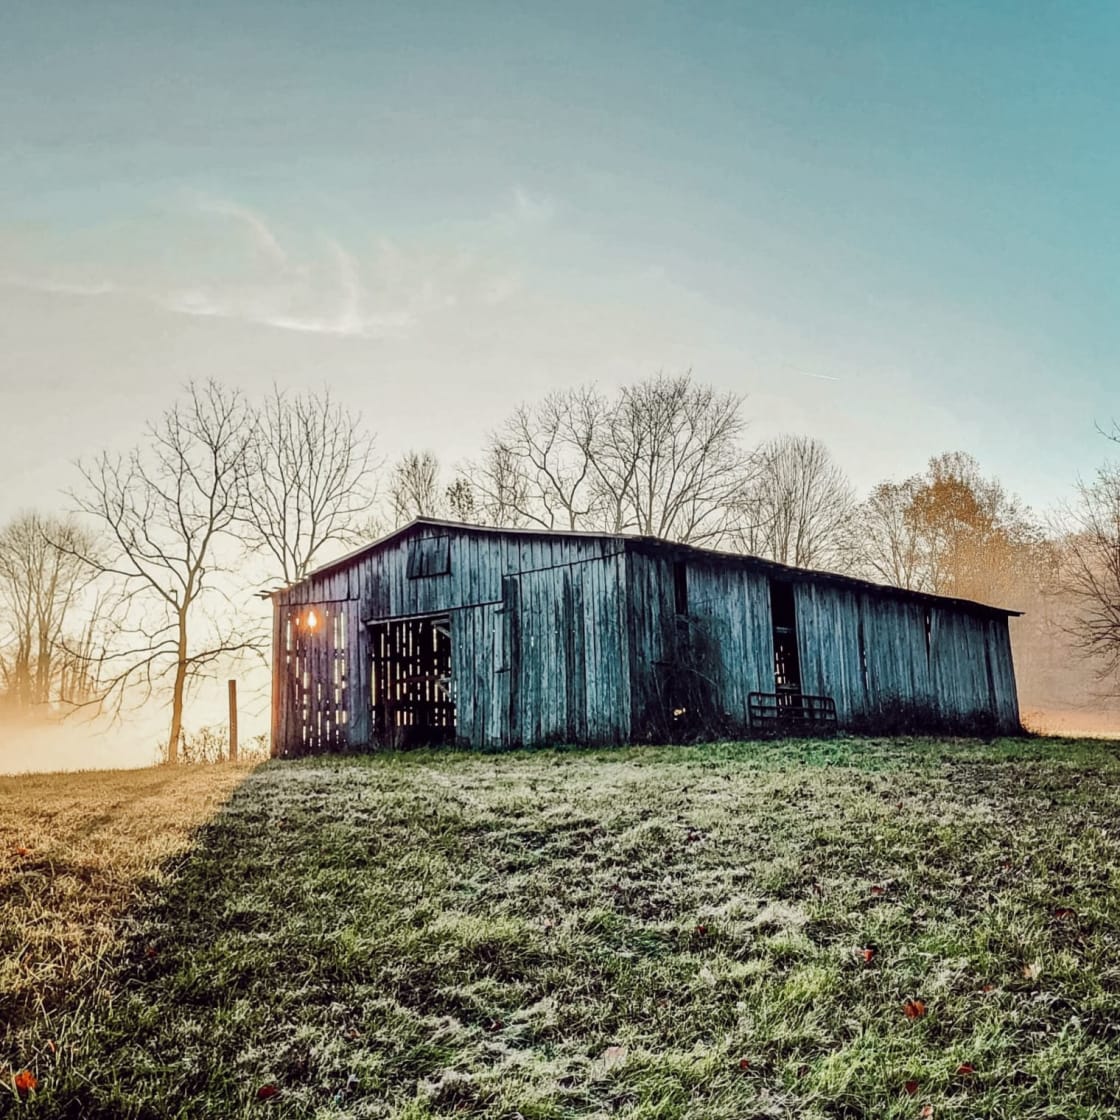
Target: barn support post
279, 679
233, 721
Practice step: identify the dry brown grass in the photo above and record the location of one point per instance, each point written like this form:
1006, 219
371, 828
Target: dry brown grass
1081, 723
76, 851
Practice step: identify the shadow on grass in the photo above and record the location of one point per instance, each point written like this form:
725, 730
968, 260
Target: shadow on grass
558, 934
97, 852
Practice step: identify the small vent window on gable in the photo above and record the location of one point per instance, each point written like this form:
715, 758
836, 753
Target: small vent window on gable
429, 556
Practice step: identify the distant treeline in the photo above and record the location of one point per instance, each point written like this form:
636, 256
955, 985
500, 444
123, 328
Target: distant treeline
144, 585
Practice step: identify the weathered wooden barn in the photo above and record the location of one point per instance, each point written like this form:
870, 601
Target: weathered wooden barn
445, 632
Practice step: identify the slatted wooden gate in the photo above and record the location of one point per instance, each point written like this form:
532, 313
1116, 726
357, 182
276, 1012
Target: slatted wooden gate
314, 707
411, 685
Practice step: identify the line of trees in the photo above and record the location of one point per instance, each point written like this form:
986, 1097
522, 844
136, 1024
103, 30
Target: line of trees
139, 592
143, 588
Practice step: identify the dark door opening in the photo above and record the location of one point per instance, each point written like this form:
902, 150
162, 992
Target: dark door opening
787, 665
411, 688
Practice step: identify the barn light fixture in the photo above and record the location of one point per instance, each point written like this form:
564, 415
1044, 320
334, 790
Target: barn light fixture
312, 620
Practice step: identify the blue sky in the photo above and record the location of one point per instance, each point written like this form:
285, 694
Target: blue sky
894, 226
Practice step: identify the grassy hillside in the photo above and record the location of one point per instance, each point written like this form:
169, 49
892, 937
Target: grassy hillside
849, 929
77, 853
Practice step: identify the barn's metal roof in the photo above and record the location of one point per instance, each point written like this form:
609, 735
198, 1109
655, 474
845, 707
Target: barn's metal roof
658, 544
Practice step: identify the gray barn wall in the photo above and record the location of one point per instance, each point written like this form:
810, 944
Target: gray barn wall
728, 611
965, 678
577, 639
557, 597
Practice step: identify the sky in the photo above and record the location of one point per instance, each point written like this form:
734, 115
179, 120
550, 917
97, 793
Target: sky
890, 225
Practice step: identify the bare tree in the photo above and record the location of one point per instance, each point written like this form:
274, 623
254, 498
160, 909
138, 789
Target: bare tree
662, 458
310, 466
81, 660
498, 483
414, 487
41, 584
667, 461
168, 510
797, 507
1091, 568
887, 544
537, 469
461, 501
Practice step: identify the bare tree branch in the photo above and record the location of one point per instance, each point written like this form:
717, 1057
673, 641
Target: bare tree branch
1091, 568
41, 588
310, 469
414, 488
797, 507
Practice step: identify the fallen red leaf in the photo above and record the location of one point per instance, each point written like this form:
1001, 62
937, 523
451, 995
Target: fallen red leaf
911, 1087
612, 1056
21, 851
966, 1069
266, 1092
867, 955
26, 1081
700, 930
877, 889
1063, 912
914, 1008
988, 988
744, 1063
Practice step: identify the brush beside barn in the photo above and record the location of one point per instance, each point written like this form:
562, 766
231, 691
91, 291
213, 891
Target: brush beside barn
443, 632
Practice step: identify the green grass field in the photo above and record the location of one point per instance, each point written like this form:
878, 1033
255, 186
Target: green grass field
853, 929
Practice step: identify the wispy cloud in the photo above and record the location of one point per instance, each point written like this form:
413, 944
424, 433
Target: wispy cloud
536, 209
266, 241
378, 291
58, 287
818, 376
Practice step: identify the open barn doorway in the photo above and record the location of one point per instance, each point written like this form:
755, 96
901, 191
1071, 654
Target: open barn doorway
787, 662
412, 692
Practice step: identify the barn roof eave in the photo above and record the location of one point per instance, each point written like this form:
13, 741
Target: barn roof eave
634, 539
820, 575
439, 523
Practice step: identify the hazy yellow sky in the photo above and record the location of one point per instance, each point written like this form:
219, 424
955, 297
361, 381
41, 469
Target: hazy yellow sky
890, 226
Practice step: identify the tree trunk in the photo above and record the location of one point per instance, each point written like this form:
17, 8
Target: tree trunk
43, 669
177, 692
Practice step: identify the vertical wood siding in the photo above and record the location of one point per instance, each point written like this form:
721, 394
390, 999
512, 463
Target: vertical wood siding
828, 647
577, 639
559, 598
728, 606
869, 652
569, 675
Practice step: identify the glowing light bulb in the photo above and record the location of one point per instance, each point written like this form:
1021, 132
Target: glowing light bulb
312, 620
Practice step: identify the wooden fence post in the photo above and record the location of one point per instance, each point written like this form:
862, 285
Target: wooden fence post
233, 721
